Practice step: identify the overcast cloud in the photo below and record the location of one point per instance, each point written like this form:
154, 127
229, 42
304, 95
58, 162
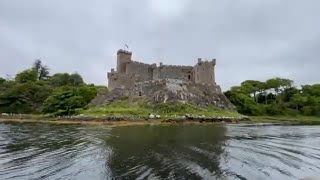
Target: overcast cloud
251, 39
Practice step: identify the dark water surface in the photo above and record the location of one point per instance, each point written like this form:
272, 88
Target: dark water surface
46, 151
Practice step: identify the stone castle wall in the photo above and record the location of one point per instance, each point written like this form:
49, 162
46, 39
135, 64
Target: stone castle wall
118, 80
142, 70
129, 72
175, 72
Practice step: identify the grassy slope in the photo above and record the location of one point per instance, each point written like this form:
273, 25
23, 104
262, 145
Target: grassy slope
125, 108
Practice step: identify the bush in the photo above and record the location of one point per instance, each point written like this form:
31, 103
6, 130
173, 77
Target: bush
66, 100
307, 110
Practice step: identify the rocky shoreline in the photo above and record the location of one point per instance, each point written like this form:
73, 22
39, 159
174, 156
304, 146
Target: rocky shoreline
187, 118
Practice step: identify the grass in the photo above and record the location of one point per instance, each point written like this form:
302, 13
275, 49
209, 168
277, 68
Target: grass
138, 111
165, 110
119, 108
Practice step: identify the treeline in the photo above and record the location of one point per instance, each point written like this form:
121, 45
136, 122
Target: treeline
35, 91
275, 96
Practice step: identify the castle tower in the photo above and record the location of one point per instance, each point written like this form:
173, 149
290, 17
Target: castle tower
204, 72
123, 57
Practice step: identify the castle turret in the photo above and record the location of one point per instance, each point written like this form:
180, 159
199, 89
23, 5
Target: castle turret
204, 71
123, 57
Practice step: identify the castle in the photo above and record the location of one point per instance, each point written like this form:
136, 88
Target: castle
164, 83
130, 72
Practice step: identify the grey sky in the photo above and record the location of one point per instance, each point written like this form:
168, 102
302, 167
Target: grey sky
251, 39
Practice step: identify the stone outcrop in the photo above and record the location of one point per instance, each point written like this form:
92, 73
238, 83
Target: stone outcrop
105, 99
170, 90
166, 90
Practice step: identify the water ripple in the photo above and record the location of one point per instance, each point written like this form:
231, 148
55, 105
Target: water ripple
43, 151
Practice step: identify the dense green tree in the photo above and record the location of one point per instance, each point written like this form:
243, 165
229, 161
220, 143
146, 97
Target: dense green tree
67, 99
65, 79
279, 84
24, 97
33, 91
29, 75
298, 101
88, 92
252, 87
276, 96
63, 101
75, 79
244, 103
60, 79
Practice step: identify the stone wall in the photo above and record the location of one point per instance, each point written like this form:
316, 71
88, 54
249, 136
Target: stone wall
119, 80
175, 72
143, 71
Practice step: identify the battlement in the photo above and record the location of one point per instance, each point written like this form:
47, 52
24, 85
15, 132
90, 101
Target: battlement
206, 62
121, 51
140, 63
176, 67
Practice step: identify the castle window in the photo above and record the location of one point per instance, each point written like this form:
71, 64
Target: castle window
189, 76
140, 94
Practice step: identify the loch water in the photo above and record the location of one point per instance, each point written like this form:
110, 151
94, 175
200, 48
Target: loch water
53, 151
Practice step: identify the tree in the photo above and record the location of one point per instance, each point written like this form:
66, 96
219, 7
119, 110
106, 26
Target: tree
60, 79
87, 92
29, 75
244, 103
253, 87
37, 65
279, 84
65, 100
298, 100
75, 79
65, 79
42, 71
2, 80
24, 97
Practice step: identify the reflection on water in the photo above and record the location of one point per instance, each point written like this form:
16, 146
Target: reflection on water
46, 151
182, 152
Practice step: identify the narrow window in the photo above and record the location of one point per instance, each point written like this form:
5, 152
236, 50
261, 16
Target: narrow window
189, 77
140, 94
